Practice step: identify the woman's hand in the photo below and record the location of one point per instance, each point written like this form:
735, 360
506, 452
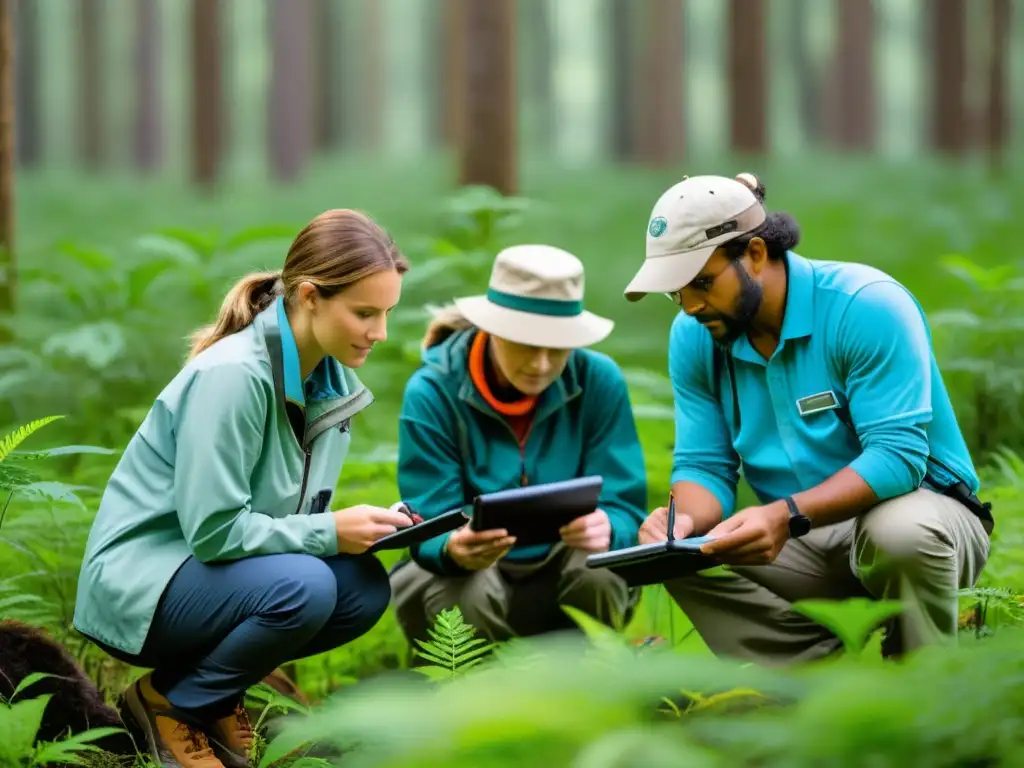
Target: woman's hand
359, 527
476, 550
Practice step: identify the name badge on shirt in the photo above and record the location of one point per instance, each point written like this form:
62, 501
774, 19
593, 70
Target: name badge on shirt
823, 401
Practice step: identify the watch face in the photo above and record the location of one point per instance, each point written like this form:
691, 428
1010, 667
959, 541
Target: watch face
799, 525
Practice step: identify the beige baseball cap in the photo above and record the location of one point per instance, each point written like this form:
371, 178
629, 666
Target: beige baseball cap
689, 221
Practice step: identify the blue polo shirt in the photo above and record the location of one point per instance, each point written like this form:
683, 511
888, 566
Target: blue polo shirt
856, 339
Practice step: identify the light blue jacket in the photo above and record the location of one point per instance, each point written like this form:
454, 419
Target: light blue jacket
237, 457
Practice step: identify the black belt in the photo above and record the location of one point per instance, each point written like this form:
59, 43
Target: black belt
980, 509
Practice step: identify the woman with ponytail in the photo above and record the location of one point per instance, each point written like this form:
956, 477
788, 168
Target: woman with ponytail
215, 556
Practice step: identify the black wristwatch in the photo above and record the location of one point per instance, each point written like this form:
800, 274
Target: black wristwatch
798, 524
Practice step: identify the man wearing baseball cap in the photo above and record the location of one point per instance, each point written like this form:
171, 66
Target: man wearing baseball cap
818, 381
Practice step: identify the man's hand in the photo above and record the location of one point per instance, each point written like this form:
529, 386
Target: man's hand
477, 550
753, 536
591, 533
655, 527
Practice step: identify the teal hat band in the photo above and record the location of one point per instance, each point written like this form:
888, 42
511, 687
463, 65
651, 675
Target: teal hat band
551, 307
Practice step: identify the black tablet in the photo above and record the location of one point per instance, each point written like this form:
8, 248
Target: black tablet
420, 532
655, 563
534, 513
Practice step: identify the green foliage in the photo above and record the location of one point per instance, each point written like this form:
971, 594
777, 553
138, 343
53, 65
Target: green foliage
451, 650
934, 708
852, 621
104, 316
979, 344
19, 725
270, 702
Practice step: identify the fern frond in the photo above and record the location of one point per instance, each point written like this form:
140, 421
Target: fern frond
13, 475
22, 433
452, 645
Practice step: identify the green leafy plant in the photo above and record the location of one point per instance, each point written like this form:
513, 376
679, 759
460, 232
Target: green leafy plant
19, 726
115, 322
993, 607
452, 648
271, 703
37, 538
979, 342
852, 620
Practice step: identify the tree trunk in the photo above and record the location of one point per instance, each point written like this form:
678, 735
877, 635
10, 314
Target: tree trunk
541, 87
949, 119
290, 102
997, 118
660, 128
91, 144
851, 97
623, 103
809, 88
29, 127
489, 153
328, 38
748, 76
374, 67
7, 159
207, 104
453, 72
148, 98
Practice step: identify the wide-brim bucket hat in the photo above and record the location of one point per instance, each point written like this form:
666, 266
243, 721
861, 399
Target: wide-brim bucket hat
535, 297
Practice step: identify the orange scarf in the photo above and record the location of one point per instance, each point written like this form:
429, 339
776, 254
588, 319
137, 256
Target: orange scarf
519, 413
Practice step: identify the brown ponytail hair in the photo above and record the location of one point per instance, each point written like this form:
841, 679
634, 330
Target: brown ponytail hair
446, 321
336, 249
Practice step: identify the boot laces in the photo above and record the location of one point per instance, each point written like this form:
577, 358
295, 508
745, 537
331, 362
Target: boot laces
243, 723
199, 748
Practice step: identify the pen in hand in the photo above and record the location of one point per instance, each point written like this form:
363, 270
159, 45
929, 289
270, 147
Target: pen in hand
671, 521
400, 506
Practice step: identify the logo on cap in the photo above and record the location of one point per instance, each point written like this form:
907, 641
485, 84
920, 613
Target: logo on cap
657, 226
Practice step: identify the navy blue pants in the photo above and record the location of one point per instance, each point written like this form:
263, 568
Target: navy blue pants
220, 628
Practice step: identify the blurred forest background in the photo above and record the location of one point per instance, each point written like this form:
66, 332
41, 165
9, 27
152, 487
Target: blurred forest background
153, 151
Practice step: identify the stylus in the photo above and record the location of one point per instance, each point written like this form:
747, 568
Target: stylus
671, 517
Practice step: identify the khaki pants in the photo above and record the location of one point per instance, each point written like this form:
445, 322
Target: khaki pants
510, 599
919, 548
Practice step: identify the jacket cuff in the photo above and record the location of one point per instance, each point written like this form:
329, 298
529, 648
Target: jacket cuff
432, 555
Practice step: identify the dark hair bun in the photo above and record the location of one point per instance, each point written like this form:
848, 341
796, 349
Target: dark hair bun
755, 185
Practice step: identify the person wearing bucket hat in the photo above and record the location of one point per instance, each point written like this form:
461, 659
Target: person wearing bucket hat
818, 380
509, 395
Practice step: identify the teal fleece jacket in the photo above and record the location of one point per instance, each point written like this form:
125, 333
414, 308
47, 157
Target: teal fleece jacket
453, 446
237, 457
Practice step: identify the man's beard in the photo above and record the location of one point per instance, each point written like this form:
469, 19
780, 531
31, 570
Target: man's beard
739, 321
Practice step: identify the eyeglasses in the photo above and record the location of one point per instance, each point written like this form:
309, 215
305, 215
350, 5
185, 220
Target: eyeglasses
701, 285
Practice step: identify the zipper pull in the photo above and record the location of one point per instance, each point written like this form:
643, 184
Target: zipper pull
523, 479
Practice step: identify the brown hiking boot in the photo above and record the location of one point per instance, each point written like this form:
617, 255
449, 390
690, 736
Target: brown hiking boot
171, 742
232, 738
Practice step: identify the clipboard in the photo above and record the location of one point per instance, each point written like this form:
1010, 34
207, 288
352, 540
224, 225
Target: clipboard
534, 513
419, 532
659, 561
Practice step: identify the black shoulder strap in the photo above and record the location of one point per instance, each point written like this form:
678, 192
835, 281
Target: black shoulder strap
716, 363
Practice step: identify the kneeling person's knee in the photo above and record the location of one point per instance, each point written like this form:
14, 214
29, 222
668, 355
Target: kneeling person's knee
597, 591
901, 531
303, 595
368, 595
